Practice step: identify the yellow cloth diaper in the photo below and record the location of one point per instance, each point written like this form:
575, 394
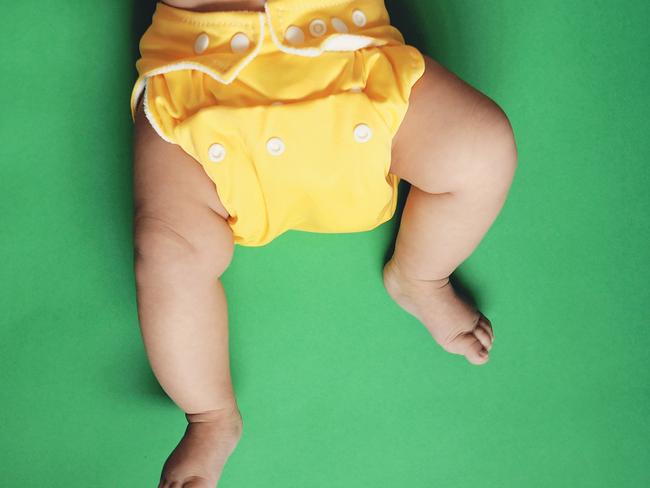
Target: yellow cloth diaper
291, 112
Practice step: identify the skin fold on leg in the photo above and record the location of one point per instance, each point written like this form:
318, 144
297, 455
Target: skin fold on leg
457, 150
183, 245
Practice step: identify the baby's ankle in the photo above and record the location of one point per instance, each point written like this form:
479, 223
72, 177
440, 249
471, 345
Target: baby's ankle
402, 275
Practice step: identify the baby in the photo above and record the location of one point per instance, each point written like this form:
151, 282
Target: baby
255, 117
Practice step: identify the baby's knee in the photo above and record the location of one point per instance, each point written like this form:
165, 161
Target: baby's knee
165, 246
493, 143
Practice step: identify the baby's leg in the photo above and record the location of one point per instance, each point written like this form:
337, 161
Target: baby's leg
456, 148
182, 247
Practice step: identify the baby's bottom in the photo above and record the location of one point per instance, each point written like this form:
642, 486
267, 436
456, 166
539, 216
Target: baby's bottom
455, 147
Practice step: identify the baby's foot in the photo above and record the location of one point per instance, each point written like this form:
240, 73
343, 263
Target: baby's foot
457, 326
199, 458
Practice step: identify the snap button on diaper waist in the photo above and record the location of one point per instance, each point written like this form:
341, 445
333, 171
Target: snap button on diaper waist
294, 35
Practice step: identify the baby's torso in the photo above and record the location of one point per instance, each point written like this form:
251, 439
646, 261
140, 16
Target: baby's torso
217, 5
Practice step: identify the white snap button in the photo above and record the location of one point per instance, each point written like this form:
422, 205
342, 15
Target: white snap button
359, 18
317, 28
339, 25
216, 152
202, 42
294, 35
362, 133
355, 89
239, 43
275, 146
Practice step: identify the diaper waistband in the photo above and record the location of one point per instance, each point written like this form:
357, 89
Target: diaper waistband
222, 43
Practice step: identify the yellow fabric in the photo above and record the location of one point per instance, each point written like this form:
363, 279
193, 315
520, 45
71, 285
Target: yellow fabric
330, 175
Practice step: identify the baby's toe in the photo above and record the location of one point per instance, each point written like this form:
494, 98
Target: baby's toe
477, 354
487, 325
483, 337
469, 346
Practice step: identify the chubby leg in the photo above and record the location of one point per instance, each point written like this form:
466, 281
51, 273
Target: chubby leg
456, 148
182, 246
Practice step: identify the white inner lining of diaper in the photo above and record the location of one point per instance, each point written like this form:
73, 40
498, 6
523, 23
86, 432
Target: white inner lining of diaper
151, 118
347, 42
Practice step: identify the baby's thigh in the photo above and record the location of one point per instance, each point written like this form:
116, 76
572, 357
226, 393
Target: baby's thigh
177, 212
446, 122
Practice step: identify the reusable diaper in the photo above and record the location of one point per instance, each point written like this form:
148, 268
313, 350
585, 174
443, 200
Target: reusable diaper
291, 112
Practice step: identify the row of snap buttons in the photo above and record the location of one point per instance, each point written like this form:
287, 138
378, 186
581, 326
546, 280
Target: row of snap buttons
318, 27
239, 43
275, 145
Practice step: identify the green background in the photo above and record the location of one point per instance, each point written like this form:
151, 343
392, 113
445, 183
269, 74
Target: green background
339, 387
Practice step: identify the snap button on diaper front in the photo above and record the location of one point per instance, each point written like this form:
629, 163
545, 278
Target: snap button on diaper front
317, 28
216, 152
275, 146
294, 35
362, 133
339, 25
239, 43
202, 42
359, 18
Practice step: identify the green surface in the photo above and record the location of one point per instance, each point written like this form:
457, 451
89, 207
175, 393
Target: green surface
338, 387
